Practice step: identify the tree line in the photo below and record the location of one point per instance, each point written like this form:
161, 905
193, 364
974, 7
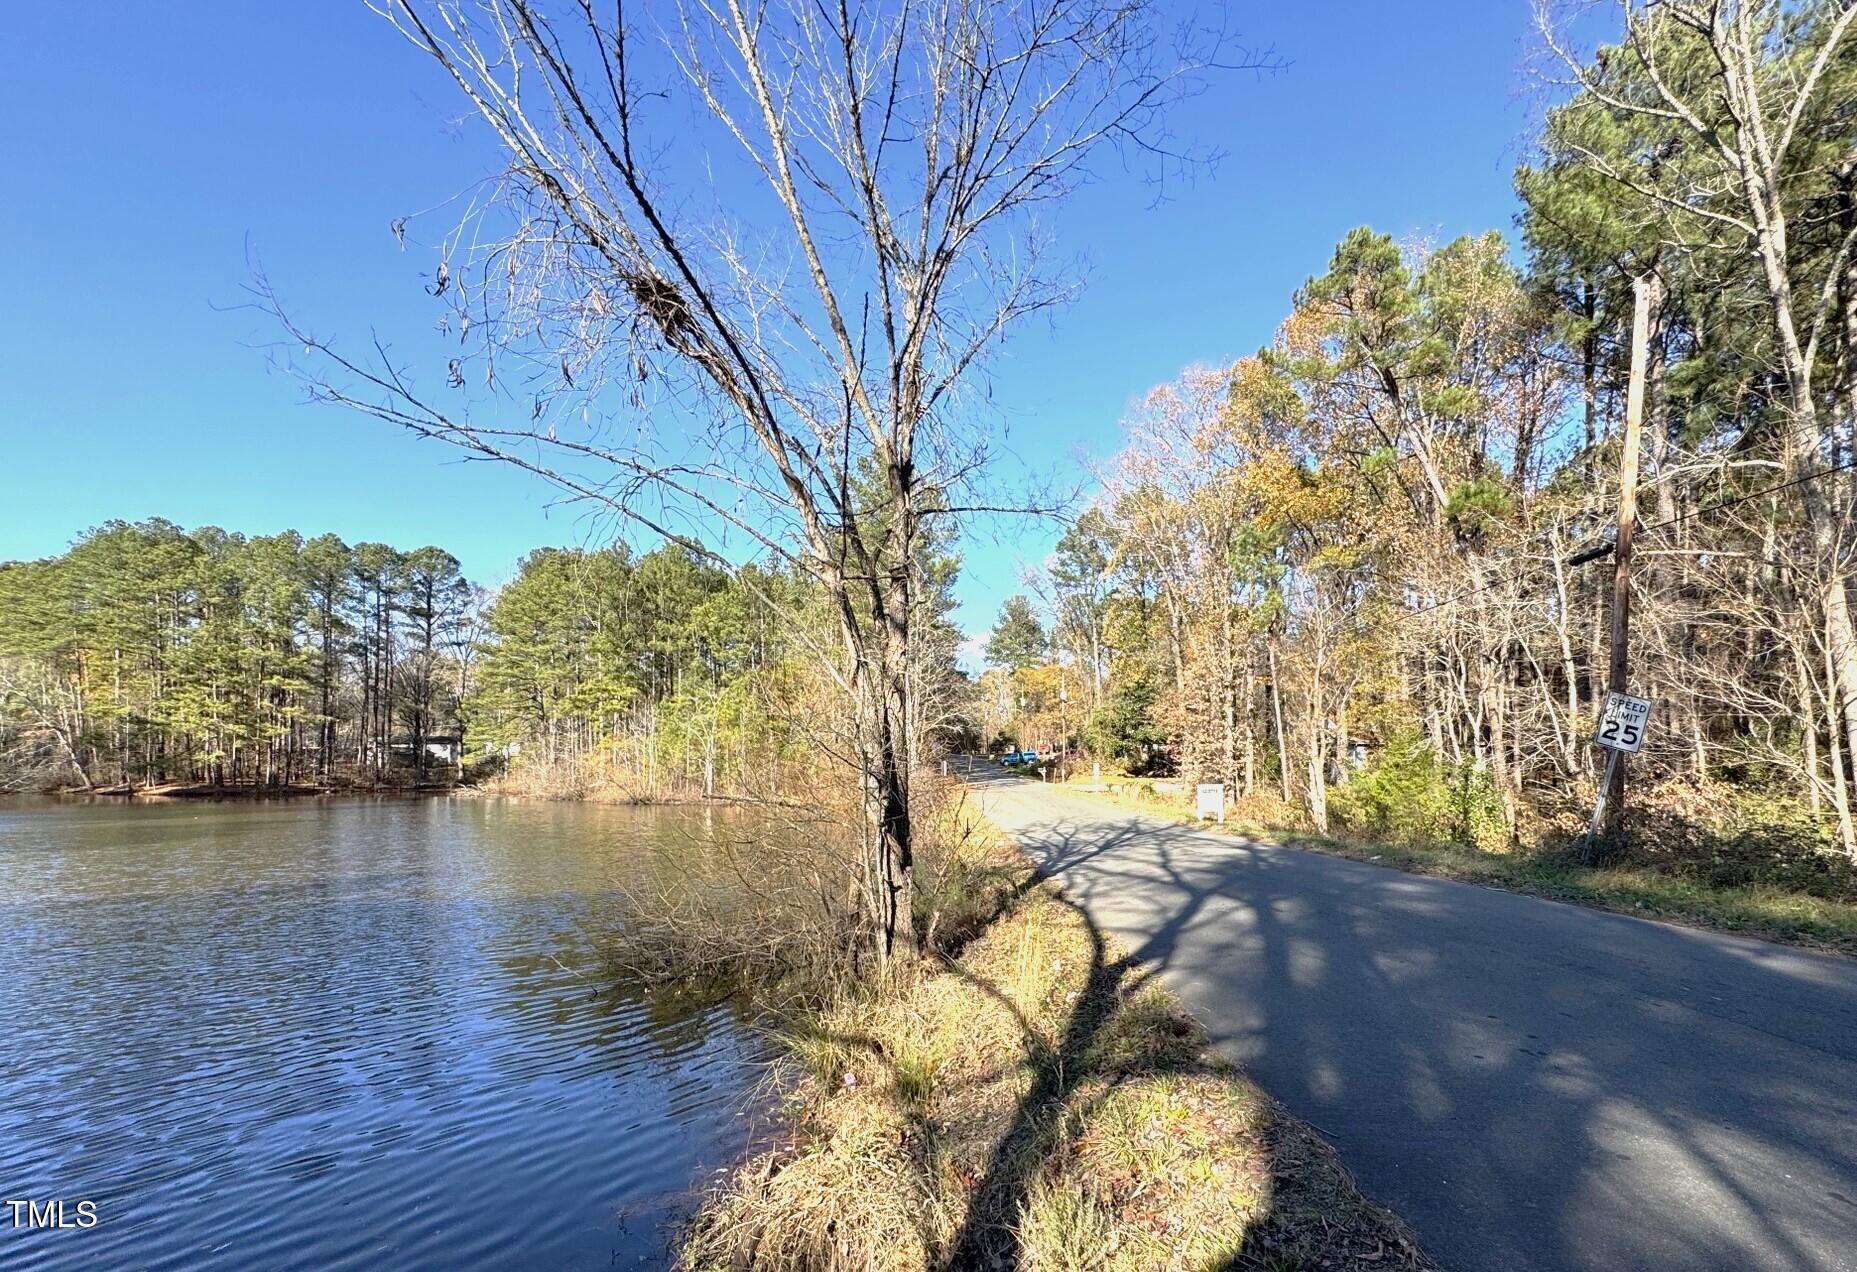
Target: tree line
1365, 571
660, 674
149, 655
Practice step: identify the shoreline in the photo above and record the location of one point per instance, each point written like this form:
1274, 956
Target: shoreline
461, 790
1034, 1098
208, 791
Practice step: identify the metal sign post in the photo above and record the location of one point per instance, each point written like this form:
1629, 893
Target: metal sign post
1599, 804
1622, 726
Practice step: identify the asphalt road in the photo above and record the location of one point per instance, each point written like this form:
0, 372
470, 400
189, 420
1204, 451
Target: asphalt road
1531, 1085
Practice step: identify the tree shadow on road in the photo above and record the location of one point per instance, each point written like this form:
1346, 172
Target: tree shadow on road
1134, 1145
1531, 1085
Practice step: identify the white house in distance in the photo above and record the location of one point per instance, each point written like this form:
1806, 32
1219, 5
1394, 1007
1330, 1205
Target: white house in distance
446, 747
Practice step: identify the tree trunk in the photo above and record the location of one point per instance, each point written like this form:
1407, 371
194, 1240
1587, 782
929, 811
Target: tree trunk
1343, 751
1802, 430
1318, 748
1490, 669
1840, 797
889, 810
1318, 788
1569, 670
1250, 722
1589, 364
1228, 773
887, 747
1276, 705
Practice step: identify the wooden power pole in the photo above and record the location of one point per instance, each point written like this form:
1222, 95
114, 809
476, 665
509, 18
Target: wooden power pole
1647, 294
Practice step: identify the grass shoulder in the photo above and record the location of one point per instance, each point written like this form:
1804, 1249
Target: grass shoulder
1770, 911
1762, 910
1035, 1099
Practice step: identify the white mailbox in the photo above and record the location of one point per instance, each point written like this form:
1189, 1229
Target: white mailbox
1210, 800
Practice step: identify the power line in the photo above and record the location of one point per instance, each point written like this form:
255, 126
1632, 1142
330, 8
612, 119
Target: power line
1460, 595
1832, 471
1605, 549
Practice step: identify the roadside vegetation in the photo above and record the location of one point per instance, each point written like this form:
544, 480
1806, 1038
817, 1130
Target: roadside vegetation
1632, 885
1032, 1098
1698, 859
1365, 578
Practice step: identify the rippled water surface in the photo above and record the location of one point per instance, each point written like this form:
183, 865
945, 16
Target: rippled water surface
350, 1034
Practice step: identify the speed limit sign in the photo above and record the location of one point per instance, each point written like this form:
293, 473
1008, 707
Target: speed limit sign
1622, 724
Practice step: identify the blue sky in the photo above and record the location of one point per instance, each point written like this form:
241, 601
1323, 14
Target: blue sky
153, 149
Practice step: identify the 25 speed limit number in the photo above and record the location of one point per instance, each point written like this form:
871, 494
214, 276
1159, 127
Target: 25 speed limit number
1623, 723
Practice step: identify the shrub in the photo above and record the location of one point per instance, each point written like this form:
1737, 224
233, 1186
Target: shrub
1408, 794
1728, 839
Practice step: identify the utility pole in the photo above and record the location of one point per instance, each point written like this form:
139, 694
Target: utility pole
1647, 294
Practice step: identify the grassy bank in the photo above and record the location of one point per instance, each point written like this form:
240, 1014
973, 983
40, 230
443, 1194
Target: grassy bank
1768, 910
1035, 1100
597, 783
1763, 910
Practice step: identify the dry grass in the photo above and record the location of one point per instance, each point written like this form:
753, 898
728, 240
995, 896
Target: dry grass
1756, 909
788, 931
1038, 1101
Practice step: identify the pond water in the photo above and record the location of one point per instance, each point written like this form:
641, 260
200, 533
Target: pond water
351, 1033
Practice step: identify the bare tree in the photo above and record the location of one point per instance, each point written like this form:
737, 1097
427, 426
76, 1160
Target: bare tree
1739, 84
795, 229
41, 722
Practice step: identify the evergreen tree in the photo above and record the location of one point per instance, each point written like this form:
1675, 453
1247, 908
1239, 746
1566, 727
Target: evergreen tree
435, 598
1018, 638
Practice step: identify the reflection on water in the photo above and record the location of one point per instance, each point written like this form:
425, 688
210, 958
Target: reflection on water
348, 1034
